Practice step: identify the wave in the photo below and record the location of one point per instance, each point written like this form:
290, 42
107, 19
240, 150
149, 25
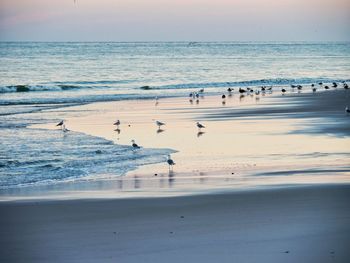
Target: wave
110, 84
247, 83
28, 88
76, 156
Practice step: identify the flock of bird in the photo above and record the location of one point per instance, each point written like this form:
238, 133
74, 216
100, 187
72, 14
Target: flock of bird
196, 95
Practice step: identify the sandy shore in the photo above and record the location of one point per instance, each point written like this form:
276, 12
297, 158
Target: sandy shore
304, 224
271, 140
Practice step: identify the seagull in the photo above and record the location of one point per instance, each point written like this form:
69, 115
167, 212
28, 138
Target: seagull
200, 126
159, 123
223, 96
326, 87
334, 85
347, 110
170, 162
201, 91
283, 90
314, 89
345, 85
229, 90
134, 145
117, 123
242, 90
60, 123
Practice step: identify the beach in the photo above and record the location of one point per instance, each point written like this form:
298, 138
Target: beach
255, 210
302, 224
267, 179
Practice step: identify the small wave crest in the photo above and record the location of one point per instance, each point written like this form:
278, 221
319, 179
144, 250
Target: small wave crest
247, 83
48, 156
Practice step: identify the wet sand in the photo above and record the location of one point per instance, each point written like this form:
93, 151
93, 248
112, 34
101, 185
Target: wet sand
303, 224
251, 141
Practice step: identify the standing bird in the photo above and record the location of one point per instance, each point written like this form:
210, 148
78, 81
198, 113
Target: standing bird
61, 123
159, 123
223, 96
283, 91
170, 162
134, 145
242, 90
326, 87
334, 85
117, 123
201, 91
314, 89
200, 126
347, 110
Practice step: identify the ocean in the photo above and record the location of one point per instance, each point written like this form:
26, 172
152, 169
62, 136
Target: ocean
40, 80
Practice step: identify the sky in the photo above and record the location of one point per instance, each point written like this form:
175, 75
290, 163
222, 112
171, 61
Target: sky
174, 20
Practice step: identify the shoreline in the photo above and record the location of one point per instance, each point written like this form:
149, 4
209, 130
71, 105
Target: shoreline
241, 124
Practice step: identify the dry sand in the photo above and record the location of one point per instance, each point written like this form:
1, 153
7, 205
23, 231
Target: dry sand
304, 224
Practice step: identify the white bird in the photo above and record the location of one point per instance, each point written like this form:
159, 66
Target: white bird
134, 145
159, 123
117, 123
170, 162
200, 126
347, 110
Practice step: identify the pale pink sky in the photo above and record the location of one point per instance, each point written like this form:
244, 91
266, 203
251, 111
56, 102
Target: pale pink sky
188, 20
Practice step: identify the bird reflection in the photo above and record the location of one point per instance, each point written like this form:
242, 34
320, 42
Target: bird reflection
118, 131
160, 130
137, 182
200, 133
171, 178
120, 184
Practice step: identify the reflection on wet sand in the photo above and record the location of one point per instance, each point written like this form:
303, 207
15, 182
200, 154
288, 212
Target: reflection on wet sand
241, 140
